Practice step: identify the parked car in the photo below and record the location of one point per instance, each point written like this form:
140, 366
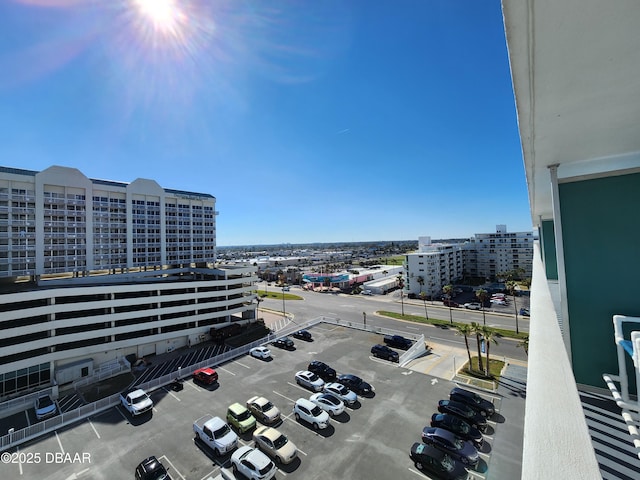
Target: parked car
472, 306
309, 380
499, 302
252, 464
524, 312
260, 352
151, 469
45, 407
398, 341
328, 402
458, 426
207, 375
216, 434
284, 342
475, 401
275, 444
463, 411
384, 352
302, 335
355, 383
240, 417
450, 443
433, 461
137, 402
310, 413
450, 303
323, 370
263, 410
342, 392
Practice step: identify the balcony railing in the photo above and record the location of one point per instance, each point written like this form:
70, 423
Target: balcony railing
554, 413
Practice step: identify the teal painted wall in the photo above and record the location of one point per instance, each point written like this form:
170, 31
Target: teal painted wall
601, 236
548, 240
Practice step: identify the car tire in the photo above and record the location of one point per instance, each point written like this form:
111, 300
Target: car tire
278, 460
316, 426
234, 468
217, 452
418, 465
297, 416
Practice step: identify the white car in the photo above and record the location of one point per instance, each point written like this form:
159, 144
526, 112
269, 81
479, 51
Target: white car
275, 444
472, 306
253, 464
328, 402
497, 301
311, 413
263, 410
260, 352
342, 392
309, 380
44, 407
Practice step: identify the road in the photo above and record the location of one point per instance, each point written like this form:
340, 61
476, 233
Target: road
351, 308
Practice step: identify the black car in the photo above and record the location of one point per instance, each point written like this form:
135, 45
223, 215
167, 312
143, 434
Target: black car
458, 426
431, 460
481, 405
151, 469
323, 370
450, 443
382, 351
398, 341
355, 383
302, 335
284, 342
463, 411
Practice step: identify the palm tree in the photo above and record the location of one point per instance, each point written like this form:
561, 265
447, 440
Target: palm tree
423, 296
511, 288
524, 344
448, 291
465, 329
420, 280
401, 285
477, 330
482, 296
489, 336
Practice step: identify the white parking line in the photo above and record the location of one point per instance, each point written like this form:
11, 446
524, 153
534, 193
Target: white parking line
59, 442
94, 428
415, 471
195, 387
211, 473
298, 386
284, 396
173, 466
225, 370
19, 462
171, 393
242, 365
122, 414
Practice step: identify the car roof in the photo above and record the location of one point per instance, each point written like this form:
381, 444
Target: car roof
429, 450
237, 408
269, 432
303, 402
205, 370
258, 400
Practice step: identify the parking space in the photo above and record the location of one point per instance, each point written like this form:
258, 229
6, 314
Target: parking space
369, 441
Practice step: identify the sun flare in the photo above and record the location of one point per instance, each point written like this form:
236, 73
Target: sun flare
163, 14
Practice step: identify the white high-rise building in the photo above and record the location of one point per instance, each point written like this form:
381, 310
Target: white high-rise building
499, 252
433, 267
96, 270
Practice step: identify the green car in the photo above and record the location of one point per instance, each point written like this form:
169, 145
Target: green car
240, 417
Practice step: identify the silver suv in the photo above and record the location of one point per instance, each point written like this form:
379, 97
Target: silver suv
310, 413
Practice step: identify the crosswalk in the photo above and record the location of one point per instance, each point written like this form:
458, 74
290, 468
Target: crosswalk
610, 438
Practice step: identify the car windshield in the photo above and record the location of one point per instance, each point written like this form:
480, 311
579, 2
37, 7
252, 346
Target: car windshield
463, 427
316, 411
139, 399
313, 377
243, 415
331, 399
280, 442
267, 406
267, 468
459, 444
44, 402
221, 432
447, 463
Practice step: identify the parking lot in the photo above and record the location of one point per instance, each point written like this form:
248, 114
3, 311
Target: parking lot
370, 441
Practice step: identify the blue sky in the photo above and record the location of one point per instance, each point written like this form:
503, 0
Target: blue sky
309, 121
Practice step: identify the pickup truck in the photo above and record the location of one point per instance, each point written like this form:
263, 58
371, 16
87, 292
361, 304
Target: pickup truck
216, 434
398, 341
136, 402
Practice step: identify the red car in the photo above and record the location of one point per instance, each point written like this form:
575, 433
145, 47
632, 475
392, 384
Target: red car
206, 375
